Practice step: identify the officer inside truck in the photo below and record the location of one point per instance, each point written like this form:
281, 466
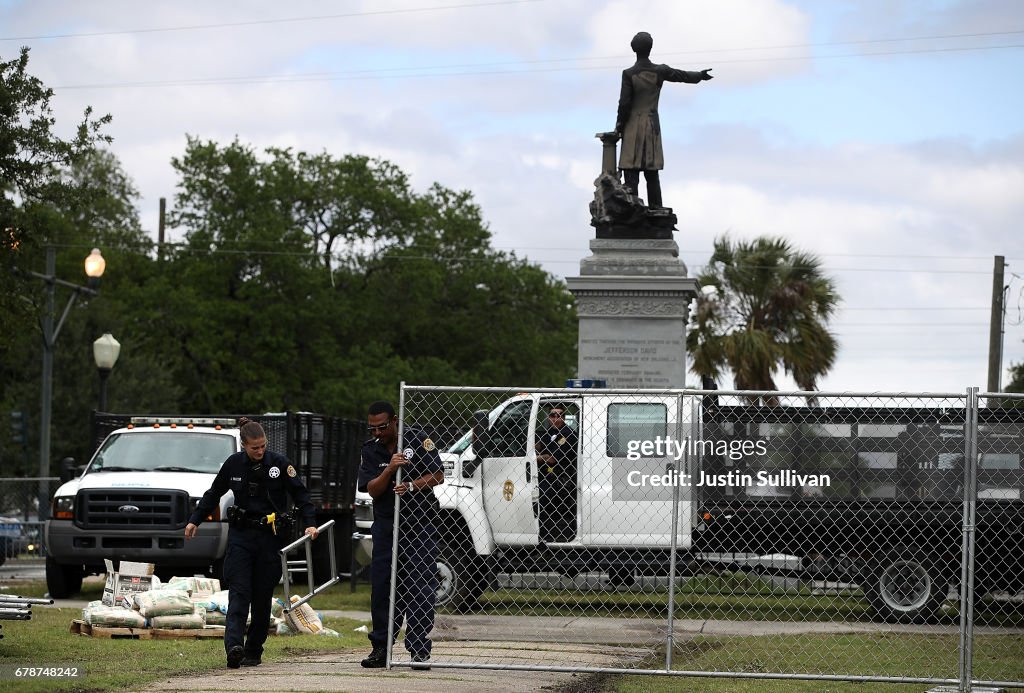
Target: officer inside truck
556, 466
261, 481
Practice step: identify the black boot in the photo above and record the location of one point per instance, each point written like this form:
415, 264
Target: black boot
235, 656
377, 659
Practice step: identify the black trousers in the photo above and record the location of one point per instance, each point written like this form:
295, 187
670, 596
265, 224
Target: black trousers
252, 569
416, 582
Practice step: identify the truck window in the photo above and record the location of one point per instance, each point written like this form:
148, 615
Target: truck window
149, 451
511, 429
639, 421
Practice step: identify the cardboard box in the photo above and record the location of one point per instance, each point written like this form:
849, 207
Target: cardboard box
131, 578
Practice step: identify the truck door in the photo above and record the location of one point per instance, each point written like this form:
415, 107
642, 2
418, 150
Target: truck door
617, 510
509, 476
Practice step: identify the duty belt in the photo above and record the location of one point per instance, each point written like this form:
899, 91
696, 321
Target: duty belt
242, 518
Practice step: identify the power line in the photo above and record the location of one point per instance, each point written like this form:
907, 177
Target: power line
256, 22
421, 72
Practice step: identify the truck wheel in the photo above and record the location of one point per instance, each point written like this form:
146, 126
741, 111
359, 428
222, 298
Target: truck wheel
904, 588
461, 578
62, 581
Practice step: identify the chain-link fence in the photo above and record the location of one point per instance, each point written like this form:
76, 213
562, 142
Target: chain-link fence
869, 537
21, 530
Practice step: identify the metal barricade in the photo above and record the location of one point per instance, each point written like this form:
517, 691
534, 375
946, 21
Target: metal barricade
286, 566
843, 536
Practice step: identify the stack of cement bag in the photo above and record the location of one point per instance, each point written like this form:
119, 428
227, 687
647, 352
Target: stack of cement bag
168, 606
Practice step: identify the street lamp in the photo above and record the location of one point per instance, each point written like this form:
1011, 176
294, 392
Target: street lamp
105, 350
94, 266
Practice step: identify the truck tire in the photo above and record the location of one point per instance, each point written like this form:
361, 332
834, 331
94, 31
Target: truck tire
462, 577
62, 581
904, 587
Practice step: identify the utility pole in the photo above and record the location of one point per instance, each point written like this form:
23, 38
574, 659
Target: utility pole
160, 229
995, 334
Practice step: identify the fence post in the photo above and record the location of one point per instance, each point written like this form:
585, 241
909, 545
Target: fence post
673, 545
967, 553
394, 530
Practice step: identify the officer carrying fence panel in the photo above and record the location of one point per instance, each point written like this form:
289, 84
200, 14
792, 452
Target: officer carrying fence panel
416, 577
261, 481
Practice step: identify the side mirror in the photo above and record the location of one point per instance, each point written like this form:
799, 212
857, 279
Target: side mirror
481, 436
67, 469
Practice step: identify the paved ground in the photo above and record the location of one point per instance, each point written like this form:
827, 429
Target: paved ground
341, 672
525, 641
597, 642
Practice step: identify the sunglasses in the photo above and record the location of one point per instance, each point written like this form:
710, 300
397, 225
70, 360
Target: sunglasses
556, 415
381, 427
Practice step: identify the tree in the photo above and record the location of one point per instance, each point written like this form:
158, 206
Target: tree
763, 306
315, 282
1016, 383
103, 214
32, 161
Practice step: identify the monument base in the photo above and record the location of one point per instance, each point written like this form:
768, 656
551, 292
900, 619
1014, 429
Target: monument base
632, 301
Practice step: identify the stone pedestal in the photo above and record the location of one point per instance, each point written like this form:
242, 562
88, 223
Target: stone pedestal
632, 300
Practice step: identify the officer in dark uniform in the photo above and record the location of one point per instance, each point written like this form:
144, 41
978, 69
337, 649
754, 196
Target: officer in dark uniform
556, 467
416, 580
261, 481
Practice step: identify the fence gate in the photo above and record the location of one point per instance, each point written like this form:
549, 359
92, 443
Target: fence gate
830, 536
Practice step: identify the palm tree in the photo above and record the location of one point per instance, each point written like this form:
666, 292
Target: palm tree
763, 305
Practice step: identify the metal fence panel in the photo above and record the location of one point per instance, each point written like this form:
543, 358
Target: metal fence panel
998, 595
697, 521
21, 530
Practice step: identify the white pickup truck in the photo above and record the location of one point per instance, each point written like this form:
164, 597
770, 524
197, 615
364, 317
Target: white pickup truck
490, 498
134, 498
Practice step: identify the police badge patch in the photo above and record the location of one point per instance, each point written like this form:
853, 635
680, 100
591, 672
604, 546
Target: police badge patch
274, 472
291, 471
428, 445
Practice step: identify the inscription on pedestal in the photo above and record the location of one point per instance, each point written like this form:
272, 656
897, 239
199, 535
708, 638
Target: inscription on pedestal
640, 355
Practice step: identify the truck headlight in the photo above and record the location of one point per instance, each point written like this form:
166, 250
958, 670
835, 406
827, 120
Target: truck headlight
63, 508
212, 517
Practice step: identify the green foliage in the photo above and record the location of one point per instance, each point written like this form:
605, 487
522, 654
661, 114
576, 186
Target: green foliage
305, 282
317, 282
1016, 384
32, 159
768, 309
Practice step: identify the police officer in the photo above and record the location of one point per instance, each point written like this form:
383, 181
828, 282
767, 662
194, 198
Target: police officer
261, 481
416, 581
556, 466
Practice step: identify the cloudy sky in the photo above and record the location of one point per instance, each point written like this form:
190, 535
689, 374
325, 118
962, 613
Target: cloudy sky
886, 136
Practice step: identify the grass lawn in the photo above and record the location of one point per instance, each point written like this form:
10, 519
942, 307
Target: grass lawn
45, 640
997, 657
116, 664
113, 664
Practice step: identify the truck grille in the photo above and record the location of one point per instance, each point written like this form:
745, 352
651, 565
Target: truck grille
131, 509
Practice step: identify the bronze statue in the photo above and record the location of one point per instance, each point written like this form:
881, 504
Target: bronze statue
637, 121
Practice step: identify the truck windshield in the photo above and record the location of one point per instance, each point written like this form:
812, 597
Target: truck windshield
171, 452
